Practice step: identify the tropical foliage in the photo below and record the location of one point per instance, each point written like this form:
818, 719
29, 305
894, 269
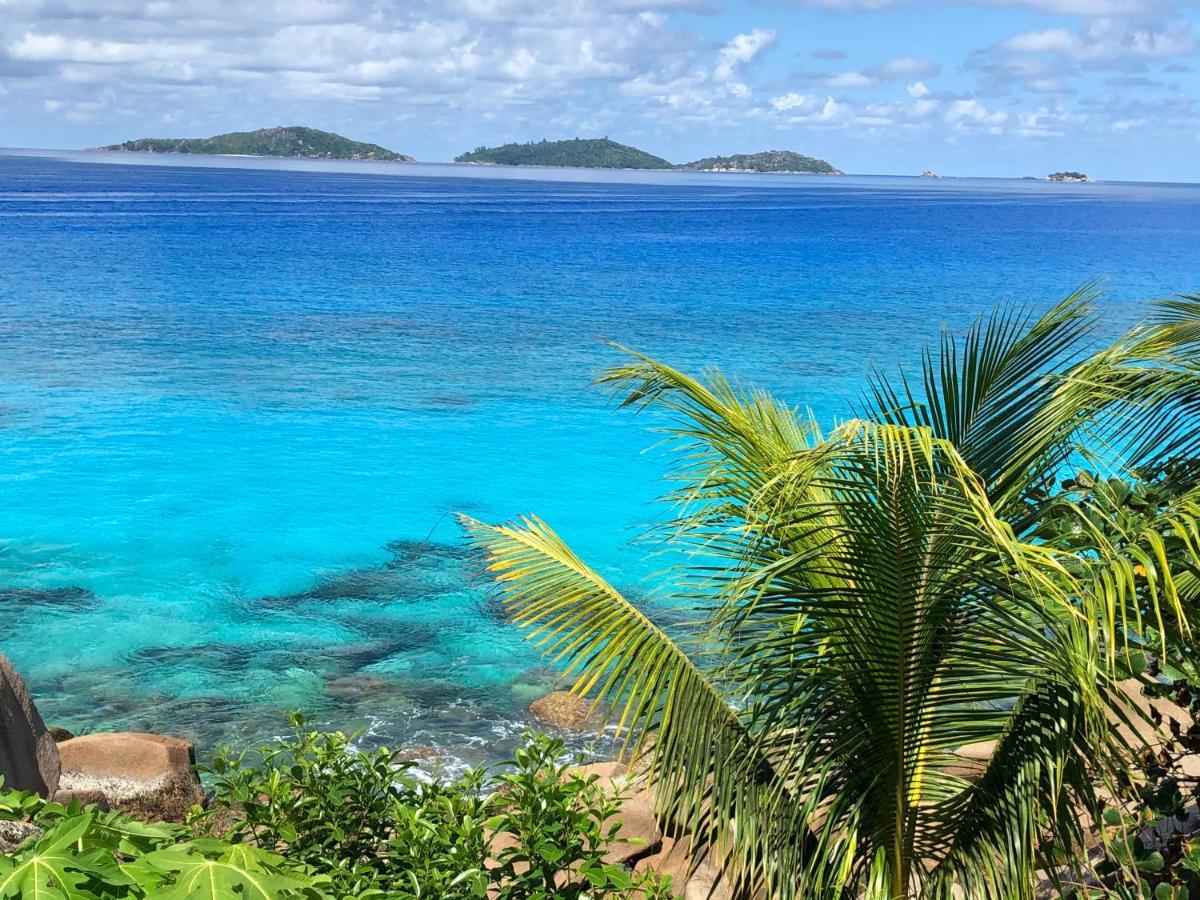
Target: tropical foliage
374, 828
915, 632
78, 852
311, 817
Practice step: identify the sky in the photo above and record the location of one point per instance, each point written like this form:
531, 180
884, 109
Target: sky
962, 87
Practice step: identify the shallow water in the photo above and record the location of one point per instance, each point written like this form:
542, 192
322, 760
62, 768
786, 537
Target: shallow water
241, 400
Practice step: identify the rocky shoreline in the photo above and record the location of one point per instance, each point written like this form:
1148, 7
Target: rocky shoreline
153, 777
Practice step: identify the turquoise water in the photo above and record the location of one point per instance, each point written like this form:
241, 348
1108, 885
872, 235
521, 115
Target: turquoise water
240, 401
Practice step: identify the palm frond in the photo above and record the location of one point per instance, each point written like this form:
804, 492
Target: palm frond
988, 392
708, 770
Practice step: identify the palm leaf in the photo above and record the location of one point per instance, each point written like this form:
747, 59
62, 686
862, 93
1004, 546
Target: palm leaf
708, 771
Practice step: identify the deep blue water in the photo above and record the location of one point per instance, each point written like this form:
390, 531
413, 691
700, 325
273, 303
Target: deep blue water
239, 403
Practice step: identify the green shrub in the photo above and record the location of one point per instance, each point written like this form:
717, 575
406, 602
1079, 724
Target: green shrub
371, 828
83, 852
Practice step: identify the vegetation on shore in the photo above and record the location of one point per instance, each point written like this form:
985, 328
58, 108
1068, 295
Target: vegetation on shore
781, 161
594, 153
920, 634
311, 817
1067, 176
284, 141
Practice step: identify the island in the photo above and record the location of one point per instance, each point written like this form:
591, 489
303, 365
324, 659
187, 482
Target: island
1067, 176
929, 173
292, 141
781, 162
588, 153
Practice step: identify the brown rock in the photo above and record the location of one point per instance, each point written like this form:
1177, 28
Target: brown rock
673, 860
414, 754
28, 755
59, 734
639, 834
147, 775
971, 760
612, 777
566, 711
1136, 723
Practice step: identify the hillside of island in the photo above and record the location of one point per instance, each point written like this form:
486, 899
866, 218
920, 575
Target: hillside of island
1067, 176
604, 153
589, 153
778, 161
293, 141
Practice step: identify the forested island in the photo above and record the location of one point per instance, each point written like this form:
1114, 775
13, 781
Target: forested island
603, 153
292, 141
778, 161
1067, 176
590, 153
296, 141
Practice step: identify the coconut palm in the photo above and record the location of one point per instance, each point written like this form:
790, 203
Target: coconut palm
872, 600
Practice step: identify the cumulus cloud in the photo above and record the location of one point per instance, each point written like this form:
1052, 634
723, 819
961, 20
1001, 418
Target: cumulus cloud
741, 50
1107, 40
1062, 7
902, 68
520, 69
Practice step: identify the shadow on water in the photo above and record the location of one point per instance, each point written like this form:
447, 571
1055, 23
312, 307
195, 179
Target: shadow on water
412, 652
66, 598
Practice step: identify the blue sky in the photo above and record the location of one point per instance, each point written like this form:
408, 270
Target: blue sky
970, 87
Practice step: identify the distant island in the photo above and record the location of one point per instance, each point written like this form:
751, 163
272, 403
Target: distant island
293, 141
603, 153
783, 162
590, 153
1067, 176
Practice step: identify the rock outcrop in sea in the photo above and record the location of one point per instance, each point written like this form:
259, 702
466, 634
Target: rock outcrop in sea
28, 754
147, 775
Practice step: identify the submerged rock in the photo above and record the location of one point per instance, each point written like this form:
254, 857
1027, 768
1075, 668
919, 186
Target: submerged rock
68, 597
29, 759
147, 775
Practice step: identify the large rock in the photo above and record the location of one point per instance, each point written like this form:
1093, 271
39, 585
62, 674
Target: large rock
703, 882
639, 834
566, 712
28, 755
147, 775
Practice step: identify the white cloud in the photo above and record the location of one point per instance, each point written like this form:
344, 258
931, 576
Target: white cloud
917, 89
903, 68
1107, 40
970, 114
741, 50
849, 80
1062, 7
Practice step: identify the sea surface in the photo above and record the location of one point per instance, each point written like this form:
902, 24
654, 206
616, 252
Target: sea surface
240, 401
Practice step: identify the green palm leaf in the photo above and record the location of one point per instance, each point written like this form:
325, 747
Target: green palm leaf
875, 599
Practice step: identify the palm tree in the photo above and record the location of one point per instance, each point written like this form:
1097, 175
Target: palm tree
872, 600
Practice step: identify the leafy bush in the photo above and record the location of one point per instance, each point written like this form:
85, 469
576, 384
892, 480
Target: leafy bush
78, 852
311, 817
376, 829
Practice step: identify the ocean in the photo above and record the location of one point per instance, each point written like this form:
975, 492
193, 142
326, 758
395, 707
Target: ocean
242, 400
